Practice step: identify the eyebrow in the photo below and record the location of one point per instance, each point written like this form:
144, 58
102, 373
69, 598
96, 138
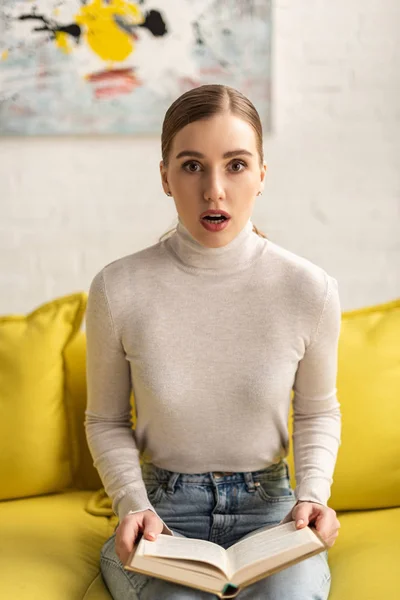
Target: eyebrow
226, 155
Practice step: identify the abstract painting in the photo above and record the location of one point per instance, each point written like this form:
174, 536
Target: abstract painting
72, 67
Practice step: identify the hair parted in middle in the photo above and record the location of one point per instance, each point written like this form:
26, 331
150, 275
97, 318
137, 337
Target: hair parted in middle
204, 102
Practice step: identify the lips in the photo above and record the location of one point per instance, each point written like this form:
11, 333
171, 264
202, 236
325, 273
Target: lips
215, 212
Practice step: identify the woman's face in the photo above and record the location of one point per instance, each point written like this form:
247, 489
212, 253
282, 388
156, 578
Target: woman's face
202, 176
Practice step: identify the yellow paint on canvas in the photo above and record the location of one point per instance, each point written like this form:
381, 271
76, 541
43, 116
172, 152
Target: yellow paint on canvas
4, 55
103, 34
62, 42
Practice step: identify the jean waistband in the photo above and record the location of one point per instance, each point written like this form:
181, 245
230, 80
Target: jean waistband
152, 472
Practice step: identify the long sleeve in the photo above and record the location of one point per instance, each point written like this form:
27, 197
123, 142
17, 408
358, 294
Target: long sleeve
108, 423
316, 410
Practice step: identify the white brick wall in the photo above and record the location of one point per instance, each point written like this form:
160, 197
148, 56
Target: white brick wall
68, 206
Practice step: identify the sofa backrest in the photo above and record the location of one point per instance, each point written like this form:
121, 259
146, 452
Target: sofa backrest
35, 442
85, 474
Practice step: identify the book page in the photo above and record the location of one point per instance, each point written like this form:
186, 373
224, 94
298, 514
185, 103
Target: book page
192, 567
167, 546
269, 542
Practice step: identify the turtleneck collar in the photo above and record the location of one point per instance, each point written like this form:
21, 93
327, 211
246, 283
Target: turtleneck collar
238, 254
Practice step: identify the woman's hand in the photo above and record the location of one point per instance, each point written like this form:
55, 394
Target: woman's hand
127, 531
323, 518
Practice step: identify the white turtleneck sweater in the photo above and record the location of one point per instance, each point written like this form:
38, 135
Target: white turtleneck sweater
211, 341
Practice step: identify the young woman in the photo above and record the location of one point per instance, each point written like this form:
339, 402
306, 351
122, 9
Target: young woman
212, 328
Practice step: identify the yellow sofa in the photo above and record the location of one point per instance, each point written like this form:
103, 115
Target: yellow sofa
55, 516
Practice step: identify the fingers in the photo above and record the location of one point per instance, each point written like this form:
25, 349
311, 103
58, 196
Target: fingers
304, 512
331, 539
124, 540
326, 523
127, 531
323, 517
152, 525
125, 537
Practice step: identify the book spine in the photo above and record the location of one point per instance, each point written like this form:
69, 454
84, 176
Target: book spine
229, 591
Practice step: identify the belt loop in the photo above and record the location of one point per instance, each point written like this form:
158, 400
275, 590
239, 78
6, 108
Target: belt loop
173, 478
248, 477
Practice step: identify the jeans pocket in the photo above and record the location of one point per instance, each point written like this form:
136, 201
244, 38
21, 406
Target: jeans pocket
155, 491
275, 487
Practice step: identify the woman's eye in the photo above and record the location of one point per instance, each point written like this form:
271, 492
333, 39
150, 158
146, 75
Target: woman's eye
237, 163
189, 164
236, 166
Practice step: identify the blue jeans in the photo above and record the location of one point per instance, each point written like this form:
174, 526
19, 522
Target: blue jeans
221, 508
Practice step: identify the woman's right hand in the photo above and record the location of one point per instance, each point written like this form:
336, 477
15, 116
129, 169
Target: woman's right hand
127, 531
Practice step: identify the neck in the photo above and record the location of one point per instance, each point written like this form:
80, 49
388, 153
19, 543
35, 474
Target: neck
238, 254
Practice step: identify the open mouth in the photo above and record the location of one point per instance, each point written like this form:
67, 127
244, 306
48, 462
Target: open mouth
211, 219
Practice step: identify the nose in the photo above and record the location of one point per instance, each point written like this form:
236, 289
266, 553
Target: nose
214, 187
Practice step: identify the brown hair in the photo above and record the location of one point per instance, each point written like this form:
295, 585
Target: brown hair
203, 102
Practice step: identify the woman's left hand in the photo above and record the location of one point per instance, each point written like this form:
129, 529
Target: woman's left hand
323, 518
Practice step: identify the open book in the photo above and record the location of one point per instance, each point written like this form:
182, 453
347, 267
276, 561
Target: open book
207, 566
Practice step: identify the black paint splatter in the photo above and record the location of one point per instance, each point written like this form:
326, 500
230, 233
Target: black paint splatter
72, 29
155, 23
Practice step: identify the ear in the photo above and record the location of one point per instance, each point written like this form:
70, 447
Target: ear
164, 180
262, 174
263, 170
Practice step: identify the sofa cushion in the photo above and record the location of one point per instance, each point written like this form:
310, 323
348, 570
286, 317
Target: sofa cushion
50, 548
367, 471
35, 448
364, 560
